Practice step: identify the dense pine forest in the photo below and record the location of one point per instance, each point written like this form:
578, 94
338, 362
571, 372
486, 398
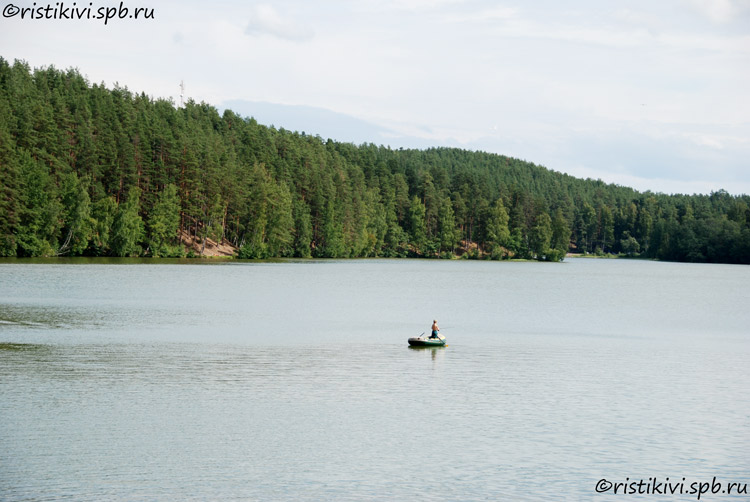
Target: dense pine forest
87, 170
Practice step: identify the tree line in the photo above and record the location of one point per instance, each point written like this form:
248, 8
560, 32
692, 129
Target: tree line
88, 170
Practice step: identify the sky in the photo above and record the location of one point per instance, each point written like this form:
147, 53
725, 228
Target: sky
651, 95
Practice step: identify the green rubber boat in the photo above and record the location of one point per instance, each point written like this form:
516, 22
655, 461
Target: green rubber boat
426, 341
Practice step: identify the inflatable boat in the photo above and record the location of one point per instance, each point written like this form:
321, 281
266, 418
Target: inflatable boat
426, 341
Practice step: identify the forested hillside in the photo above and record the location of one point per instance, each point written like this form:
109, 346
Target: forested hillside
87, 170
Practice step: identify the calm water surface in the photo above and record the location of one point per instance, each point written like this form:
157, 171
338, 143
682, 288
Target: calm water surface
293, 381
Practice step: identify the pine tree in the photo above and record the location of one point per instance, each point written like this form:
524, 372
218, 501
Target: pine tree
560, 236
498, 233
540, 236
104, 212
302, 229
9, 179
164, 224
334, 245
127, 227
78, 227
280, 221
446, 222
39, 215
417, 225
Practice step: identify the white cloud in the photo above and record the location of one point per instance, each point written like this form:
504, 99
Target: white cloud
709, 141
639, 18
265, 20
496, 13
414, 5
718, 11
626, 38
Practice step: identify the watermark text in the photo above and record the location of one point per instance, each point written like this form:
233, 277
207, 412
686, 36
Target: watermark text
73, 11
666, 486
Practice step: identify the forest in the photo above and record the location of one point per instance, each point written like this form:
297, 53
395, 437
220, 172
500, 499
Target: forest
93, 171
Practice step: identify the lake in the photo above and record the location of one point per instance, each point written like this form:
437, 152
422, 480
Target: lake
293, 381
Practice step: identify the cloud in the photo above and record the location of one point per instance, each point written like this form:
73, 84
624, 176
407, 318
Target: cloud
497, 13
709, 141
722, 11
264, 20
719, 11
415, 5
628, 38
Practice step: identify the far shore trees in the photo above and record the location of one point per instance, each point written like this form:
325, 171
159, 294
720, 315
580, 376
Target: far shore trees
87, 170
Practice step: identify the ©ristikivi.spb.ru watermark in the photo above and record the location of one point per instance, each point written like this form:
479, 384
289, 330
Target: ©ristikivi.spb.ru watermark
67, 11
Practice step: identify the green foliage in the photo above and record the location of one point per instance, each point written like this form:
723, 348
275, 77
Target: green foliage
447, 233
302, 229
9, 185
416, 220
333, 244
90, 170
376, 227
164, 224
127, 227
280, 221
629, 244
498, 233
540, 236
78, 226
214, 227
40, 208
560, 236
396, 238
104, 212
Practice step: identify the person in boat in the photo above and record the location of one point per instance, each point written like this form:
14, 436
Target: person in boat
435, 329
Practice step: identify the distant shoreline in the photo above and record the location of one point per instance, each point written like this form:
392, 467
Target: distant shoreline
149, 260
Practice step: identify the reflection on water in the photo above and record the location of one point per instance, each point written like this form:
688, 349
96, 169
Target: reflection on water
434, 352
47, 317
295, 381
23, 347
